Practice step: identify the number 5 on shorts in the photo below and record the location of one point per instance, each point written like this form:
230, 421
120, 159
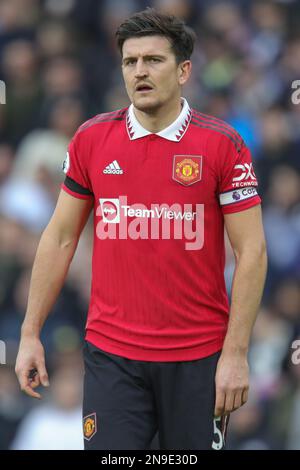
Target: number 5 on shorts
220, 429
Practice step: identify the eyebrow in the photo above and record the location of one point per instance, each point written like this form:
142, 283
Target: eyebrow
147, 56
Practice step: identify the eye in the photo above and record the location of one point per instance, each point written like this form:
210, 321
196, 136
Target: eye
154, 60
130, 61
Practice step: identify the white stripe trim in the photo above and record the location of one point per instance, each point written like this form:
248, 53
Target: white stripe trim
116, 165
237, 195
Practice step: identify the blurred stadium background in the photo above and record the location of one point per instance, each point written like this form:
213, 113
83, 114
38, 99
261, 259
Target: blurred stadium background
60, 65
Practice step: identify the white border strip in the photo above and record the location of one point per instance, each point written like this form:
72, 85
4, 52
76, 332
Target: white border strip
237, 195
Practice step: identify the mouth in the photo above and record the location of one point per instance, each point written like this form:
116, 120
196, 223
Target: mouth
143, 89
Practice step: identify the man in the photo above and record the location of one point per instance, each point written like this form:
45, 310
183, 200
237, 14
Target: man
162, 350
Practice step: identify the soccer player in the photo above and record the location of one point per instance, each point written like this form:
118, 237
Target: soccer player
164, 351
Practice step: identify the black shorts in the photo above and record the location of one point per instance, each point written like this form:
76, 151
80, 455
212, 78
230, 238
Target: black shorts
127, 403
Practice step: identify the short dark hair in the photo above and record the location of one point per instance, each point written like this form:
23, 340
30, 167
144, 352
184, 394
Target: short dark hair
150, 22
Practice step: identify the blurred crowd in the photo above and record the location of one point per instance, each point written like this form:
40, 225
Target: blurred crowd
59, 61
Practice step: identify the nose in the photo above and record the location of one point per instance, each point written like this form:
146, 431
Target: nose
141, 68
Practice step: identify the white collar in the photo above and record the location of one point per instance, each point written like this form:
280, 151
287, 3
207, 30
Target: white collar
174, 131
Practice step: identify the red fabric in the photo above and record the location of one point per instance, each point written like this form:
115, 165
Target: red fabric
152, 298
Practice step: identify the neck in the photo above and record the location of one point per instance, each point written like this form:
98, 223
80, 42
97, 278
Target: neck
159, 119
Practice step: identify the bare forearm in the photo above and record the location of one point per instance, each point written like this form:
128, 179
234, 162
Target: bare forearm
246, 235
49, 271
247, 289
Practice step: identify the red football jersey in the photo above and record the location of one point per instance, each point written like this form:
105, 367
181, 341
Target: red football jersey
158, 291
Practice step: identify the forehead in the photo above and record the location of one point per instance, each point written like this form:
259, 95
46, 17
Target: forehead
146, 45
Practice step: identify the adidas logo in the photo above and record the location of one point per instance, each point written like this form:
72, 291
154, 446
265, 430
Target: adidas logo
113, 169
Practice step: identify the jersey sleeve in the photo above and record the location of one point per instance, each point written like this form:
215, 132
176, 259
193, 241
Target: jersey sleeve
76, 182
237, 182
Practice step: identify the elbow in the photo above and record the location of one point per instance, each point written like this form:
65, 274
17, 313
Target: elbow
68, 243
63, 240
262, 249
263, 254
256, 252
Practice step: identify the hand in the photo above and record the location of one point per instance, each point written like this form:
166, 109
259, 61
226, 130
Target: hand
232, 383
30, 366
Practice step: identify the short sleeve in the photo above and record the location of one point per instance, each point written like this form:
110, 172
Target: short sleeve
238, 183
76, 181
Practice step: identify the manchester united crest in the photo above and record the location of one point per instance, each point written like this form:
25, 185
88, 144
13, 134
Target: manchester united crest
187, 169
89, 426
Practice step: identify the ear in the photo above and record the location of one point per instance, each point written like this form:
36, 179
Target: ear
184, 71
